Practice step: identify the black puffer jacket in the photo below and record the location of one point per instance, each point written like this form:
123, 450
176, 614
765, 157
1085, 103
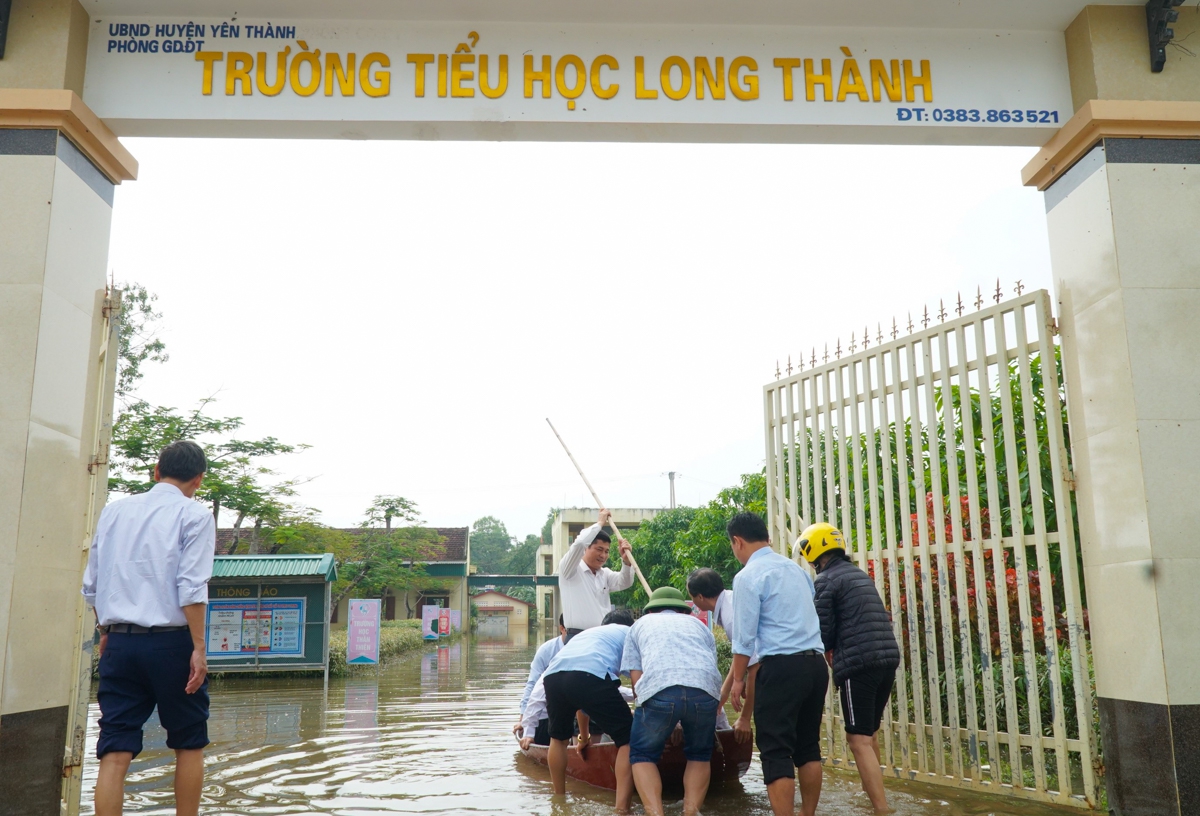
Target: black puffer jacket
855, 625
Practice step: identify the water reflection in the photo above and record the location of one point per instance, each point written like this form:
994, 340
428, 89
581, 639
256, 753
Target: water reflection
427, 735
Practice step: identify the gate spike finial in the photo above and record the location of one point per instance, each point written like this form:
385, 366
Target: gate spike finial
879, 328
853, 342
978, 298
778, 373
941, 311
801, 361
910, 323
925, 319
999, 292
789, 368
959, 309
837, 353
826, 358
895, 329
814, 357
1020, 287
866, 336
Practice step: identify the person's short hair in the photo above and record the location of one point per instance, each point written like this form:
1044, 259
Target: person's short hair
705, 582
602, 536
183, 460
619, 615
560, 622
749, 527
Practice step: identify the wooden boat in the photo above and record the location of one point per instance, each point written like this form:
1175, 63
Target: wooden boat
730, 760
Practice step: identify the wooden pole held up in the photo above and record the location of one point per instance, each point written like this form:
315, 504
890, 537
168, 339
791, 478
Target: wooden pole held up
600, 505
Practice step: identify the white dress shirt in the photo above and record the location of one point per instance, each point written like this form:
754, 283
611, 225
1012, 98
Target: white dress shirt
723, 616
584, 593
152, 555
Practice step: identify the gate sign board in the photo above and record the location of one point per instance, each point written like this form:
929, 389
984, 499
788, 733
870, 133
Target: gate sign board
202, 76
362, 632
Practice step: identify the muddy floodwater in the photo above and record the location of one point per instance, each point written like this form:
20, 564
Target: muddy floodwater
429, 735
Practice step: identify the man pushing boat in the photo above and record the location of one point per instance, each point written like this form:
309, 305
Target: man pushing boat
584, 581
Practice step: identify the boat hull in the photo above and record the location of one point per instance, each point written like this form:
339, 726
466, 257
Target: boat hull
730, 760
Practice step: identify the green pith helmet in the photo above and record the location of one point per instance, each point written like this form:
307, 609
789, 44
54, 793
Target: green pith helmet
667, 598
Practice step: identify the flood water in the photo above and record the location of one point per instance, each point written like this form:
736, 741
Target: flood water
431, 735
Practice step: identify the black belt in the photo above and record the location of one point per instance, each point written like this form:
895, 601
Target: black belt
134, 629
806, 653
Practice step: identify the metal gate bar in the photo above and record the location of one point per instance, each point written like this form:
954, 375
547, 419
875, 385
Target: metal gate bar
942, 456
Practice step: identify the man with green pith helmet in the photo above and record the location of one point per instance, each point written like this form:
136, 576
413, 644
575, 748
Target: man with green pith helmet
671, 659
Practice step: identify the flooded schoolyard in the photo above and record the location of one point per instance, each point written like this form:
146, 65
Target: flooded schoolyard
430, 735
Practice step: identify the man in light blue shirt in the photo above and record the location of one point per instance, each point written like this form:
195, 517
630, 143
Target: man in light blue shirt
775, 618
147, 580
671, 659
541, 660
586, 675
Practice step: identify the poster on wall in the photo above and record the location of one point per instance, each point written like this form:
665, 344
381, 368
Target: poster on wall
270, 628
429, 622
362, 632
444, 622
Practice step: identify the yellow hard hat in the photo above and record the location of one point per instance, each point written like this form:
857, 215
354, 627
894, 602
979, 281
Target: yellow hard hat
818, 539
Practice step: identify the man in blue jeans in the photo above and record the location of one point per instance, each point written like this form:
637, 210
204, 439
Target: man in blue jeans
671, 659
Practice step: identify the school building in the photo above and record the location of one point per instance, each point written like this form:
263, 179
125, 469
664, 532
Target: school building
446, 562
500, 614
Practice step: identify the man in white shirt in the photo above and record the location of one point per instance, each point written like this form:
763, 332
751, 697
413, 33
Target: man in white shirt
708, 592
147, 580
585, 582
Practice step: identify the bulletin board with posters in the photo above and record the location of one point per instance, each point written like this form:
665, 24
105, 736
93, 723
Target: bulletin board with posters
267, 625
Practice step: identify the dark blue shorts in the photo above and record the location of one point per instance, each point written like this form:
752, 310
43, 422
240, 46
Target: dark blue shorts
139, 672
657, 717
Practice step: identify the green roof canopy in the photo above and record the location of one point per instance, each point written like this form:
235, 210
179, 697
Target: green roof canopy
275, 566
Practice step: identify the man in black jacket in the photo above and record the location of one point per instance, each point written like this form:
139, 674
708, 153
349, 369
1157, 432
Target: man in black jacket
860, 646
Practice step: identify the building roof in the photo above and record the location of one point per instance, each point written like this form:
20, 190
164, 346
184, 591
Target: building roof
474, 599
452, 549
275, 566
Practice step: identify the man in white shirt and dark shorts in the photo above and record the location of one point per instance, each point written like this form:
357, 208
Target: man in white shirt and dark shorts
147, 580
585, 582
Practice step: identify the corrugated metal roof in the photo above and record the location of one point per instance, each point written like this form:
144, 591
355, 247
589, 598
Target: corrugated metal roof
275, 566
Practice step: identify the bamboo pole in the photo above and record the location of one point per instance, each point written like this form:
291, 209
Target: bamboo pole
599, 504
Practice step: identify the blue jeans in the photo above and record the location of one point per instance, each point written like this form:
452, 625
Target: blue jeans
657, 717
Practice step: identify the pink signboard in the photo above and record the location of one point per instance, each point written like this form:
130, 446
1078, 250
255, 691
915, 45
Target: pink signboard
444, 622
429, 622
456, 620
362, 632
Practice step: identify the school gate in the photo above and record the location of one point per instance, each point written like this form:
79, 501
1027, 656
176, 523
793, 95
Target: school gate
1116, 109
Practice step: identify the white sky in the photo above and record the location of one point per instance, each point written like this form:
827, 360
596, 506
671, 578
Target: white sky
414, 310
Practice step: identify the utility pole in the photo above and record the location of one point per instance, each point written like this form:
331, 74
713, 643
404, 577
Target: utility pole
671, 476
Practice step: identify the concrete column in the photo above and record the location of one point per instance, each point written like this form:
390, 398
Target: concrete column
1126, 265
58, 167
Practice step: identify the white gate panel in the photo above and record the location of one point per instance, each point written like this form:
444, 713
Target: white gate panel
942, 456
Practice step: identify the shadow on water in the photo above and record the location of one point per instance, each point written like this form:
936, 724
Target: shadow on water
429, 734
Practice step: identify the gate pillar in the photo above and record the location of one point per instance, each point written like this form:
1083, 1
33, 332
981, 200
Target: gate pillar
1122, 193
58, 168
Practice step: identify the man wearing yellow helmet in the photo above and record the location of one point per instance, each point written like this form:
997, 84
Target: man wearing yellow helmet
859, 644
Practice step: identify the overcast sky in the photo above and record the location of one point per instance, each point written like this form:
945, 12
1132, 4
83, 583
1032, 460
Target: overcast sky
414, 310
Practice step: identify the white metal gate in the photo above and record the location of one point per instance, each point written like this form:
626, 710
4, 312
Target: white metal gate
942, 456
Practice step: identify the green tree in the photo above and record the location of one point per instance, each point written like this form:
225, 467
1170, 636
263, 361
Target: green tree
137, 338
491, 545
522, 557
384, 508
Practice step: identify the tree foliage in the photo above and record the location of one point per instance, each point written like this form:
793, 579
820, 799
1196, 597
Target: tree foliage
491, 545
237, 478
675, 542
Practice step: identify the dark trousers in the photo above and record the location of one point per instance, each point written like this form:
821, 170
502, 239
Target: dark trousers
789, 701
